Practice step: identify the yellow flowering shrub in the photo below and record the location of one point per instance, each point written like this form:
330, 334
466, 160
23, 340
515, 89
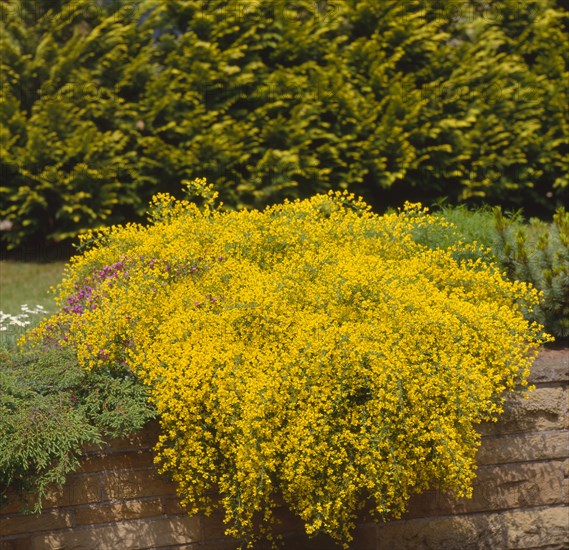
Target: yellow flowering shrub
312, 352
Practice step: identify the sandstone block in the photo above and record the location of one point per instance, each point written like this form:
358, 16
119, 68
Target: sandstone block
566, 408
17, 502
28, 523
301, 541
115, 461
131, 535
497, 488
144, 440
16, 544
216, 545
118, 511
551, 365
171, 506
523, 447
213, 526
365, 536
542, 409
78, 489
132, 484
541, 528
470, 532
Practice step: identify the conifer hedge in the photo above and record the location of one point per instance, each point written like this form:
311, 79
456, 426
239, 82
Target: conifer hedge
106, 102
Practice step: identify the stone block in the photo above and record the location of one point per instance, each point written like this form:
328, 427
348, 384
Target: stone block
171, 506
365, 536
115, 461
551, 365
287, 522
517, 485
132, 484
140, 441
213, 526
469, 532
78, 489
17, 502
23, 543
118, 511
566, 407
29, 523
523, 447
497, 488
290, 530
301, 541
219, 545
537, 528
94, 448
134, 535
539, 410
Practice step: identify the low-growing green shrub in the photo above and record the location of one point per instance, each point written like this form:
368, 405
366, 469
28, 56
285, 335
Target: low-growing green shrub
313, 351
536, 252
50, 407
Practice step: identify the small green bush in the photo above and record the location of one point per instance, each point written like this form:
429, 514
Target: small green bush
50, 407
536, 252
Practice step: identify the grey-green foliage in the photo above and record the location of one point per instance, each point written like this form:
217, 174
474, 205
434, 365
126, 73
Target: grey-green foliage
50, 408
107, 102
536, 252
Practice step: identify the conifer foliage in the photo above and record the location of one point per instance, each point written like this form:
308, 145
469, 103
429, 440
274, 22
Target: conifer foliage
106, 102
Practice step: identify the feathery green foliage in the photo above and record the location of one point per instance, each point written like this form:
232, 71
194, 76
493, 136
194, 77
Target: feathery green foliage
50, 407
534, 252
538, 253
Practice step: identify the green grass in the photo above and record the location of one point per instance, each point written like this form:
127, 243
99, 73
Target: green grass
26, 283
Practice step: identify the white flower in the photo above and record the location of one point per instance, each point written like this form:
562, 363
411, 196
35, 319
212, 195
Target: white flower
21, 319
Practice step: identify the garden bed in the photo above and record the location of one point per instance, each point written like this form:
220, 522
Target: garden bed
118, 500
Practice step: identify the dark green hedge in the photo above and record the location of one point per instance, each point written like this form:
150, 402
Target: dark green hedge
106, 102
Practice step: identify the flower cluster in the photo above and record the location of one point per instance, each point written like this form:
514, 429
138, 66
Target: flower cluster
20, 319
85, 297
313, 351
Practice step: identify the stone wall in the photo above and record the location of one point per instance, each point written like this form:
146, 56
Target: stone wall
521, 495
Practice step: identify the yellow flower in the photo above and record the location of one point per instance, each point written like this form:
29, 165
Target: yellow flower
313, 351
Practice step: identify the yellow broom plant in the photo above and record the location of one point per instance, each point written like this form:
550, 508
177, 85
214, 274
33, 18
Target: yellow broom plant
312, 352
